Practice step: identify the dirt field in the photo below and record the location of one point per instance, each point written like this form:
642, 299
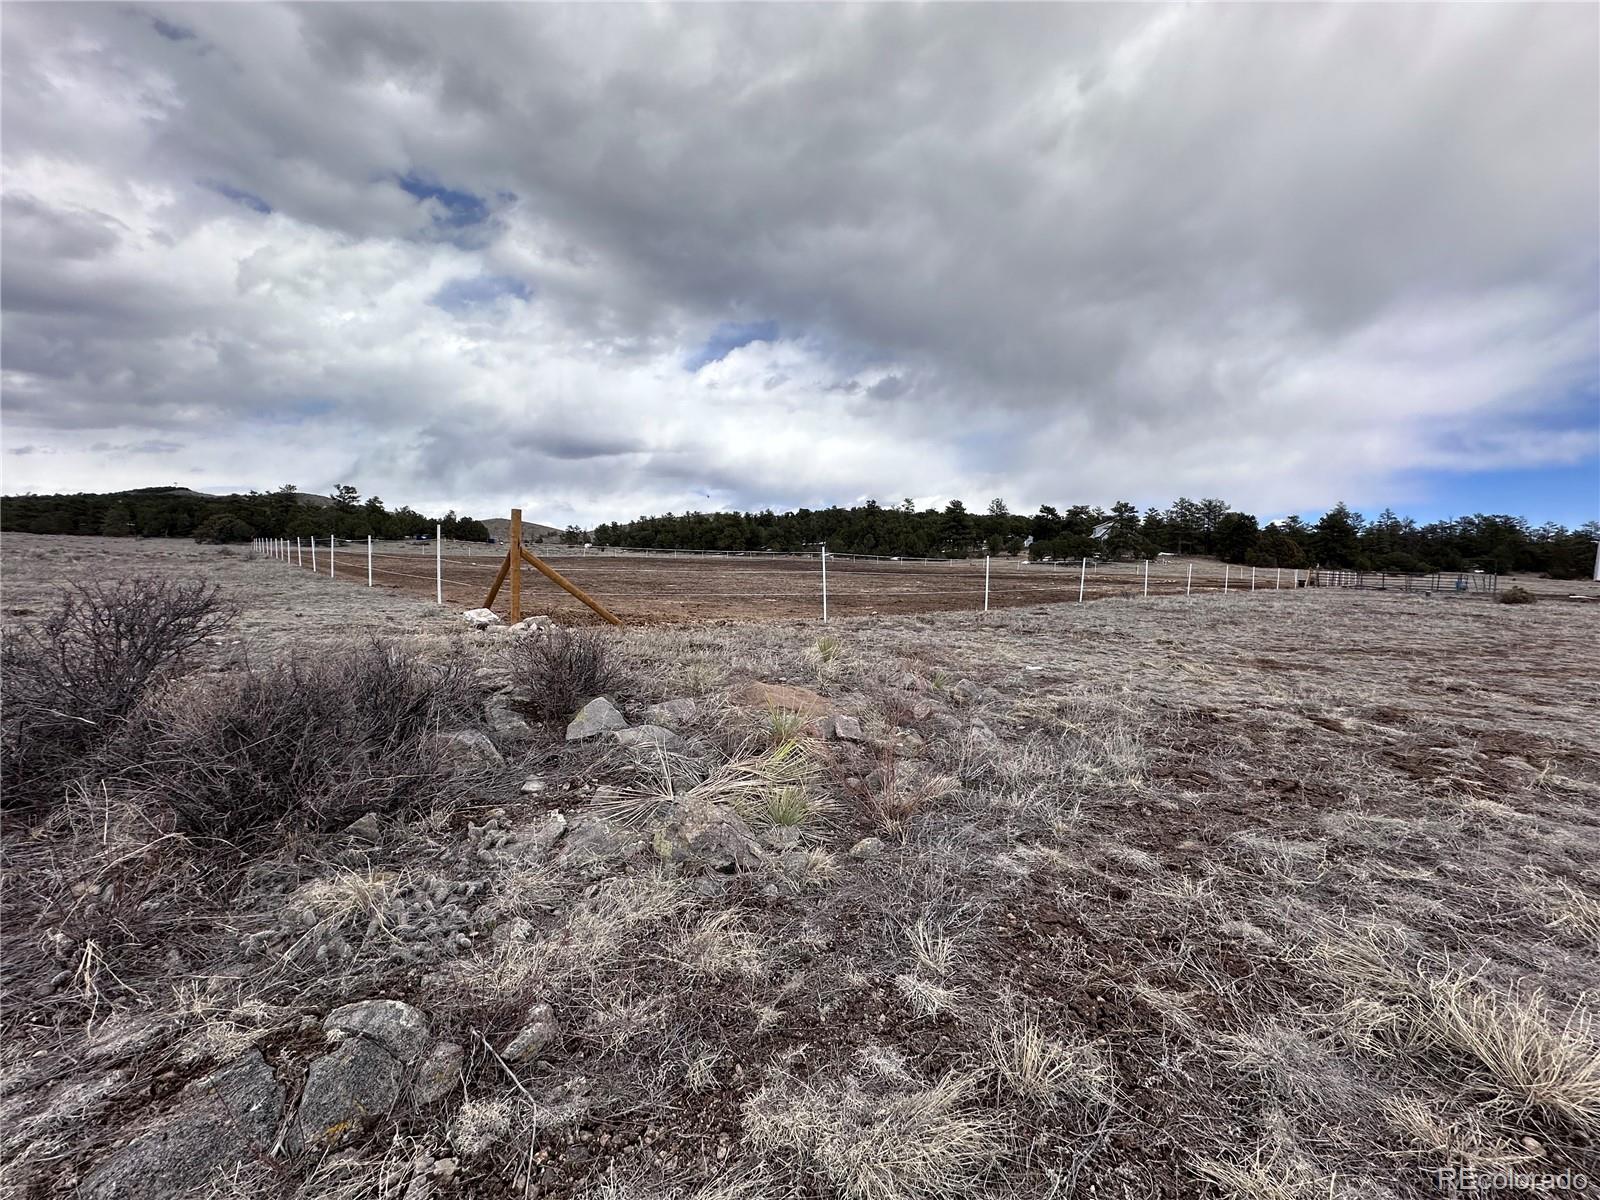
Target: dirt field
1271, 897
651, 589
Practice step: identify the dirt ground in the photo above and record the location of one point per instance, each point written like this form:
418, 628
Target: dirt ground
1275, 896
652, 589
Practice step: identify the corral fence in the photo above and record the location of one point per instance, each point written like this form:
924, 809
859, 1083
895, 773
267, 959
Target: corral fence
641, 585
1487, 582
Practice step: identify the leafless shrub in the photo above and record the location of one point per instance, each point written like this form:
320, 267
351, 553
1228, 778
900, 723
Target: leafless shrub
300, 745
71, 682
561, 669
1516, 594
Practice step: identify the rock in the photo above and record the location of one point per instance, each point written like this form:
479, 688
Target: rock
671, 712
867, 847
533, 1037
366, 828
222, 1121
648, 736
848, 729
439, 1073
966, 692
593, 840
540, 621
921, 710
533, 785
782, 696
393, 1024
594, 718
471, 745
703, 834
480, 618
506, 721
346, 1091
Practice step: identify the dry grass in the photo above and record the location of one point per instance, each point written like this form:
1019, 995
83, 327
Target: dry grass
1044, 1071
1511, 1046
892, 1145
1108, 833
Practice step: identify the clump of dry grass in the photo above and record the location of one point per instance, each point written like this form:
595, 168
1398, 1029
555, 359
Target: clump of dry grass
1045, 1071
879, 1144
899, 791
1269, 1174
1437, 1140
480, 1125
1511, 1046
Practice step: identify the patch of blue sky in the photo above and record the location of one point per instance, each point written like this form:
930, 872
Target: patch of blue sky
728, 337
238, 195
478, 291
461, 208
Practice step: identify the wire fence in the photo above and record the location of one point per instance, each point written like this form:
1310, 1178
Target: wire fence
660, 586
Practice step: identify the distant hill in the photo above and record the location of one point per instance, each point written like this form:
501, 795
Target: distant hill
500, 529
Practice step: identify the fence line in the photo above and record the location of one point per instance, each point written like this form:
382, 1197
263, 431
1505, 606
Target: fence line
867, 584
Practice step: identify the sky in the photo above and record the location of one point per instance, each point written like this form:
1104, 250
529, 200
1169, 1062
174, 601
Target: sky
603, 261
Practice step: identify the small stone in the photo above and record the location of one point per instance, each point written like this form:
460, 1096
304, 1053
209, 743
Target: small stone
346, 1091
471, 744
481, 618
533, 1037
782, 696
366, 828
848, 729
671, 712
533, 785
396, 1026
867, 847
648, 736
594, 718
439, 1073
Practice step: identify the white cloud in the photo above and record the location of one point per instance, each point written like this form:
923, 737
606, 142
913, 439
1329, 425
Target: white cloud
1058, 253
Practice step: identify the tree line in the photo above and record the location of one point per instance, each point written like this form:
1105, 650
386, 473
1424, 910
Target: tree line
1341, 538
177, 512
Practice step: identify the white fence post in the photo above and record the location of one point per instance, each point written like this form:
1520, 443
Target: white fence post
299, 554
438, 565
313, 540
1147, 577
1083, 574
1277, 580
330, 556
369, 560
1224, 577
1188, 587
824, 583
1252, 579
986, 583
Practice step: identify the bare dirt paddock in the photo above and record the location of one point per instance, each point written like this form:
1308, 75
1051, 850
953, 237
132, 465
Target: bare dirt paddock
651, 589
1270, 897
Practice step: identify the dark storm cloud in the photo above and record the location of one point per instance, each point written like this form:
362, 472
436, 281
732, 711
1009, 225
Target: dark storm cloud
1278, 251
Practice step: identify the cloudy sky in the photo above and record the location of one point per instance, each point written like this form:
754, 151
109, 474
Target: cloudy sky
602, 261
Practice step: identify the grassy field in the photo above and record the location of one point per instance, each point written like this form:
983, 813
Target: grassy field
1272, 897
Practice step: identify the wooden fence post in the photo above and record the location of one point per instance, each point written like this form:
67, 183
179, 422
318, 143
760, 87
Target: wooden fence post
516, 565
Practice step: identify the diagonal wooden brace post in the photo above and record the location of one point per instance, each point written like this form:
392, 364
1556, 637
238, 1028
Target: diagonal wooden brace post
555, 577
500, 578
